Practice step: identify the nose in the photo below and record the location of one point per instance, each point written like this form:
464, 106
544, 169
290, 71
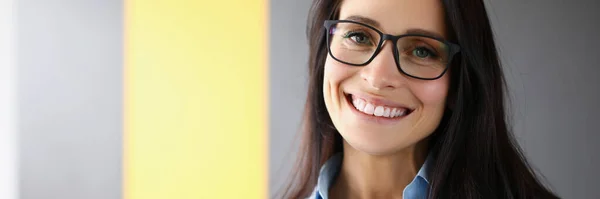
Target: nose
382, 72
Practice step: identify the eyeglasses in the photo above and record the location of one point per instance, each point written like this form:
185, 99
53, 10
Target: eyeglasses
416, 55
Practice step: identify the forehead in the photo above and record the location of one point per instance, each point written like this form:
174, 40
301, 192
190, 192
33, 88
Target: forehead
398, 16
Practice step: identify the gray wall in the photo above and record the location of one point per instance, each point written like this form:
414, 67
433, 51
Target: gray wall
70, 98
550, 51
288, 84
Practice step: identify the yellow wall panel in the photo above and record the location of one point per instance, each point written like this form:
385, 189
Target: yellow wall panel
195, 99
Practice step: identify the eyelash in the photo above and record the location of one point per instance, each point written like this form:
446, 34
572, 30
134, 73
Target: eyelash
355, 33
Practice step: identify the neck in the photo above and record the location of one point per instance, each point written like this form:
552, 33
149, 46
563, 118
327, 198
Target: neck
365, 175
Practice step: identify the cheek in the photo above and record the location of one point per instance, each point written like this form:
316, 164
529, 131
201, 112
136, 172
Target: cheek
433, 92
335, 75
432, 95
335, 72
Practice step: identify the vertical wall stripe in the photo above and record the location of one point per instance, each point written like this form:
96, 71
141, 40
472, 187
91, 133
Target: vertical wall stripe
195, 99
69, 86
288, 57
8, 134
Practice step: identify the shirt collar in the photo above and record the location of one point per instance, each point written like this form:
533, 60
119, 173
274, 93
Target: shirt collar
424, 171
330, 169
327, 175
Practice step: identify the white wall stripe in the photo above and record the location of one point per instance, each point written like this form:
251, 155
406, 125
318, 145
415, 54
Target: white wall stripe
69, 91
8, 135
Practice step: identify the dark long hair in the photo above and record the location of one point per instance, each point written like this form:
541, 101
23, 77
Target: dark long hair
474, 151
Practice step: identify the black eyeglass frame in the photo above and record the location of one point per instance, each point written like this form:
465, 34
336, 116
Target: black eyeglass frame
453, 48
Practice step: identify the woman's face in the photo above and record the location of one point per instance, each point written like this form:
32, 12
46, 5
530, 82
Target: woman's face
417, 104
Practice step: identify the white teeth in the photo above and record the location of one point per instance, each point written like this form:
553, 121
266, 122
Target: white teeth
386, 113
369, 109
361, 105
402, 112
379, 111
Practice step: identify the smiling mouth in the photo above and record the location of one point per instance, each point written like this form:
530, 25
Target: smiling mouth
376, 110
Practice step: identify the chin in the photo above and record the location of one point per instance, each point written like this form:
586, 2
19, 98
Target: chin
373, 144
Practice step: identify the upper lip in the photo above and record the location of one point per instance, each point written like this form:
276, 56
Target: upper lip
379, 101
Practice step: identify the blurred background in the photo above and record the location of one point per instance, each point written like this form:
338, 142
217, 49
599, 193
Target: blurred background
203, 99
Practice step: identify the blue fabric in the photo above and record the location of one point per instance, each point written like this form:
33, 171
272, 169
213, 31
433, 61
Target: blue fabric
417, 189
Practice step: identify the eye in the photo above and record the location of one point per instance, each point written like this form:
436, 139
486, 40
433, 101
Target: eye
359, 37
422, 52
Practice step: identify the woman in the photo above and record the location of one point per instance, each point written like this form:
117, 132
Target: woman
406, 100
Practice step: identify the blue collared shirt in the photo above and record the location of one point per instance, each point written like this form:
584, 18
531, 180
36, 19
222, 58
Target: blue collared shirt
417, 189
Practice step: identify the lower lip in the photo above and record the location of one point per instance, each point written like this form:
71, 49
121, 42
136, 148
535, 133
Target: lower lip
372, 118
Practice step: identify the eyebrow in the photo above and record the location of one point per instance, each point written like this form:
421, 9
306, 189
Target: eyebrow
364, 20
376, 24
424, 32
